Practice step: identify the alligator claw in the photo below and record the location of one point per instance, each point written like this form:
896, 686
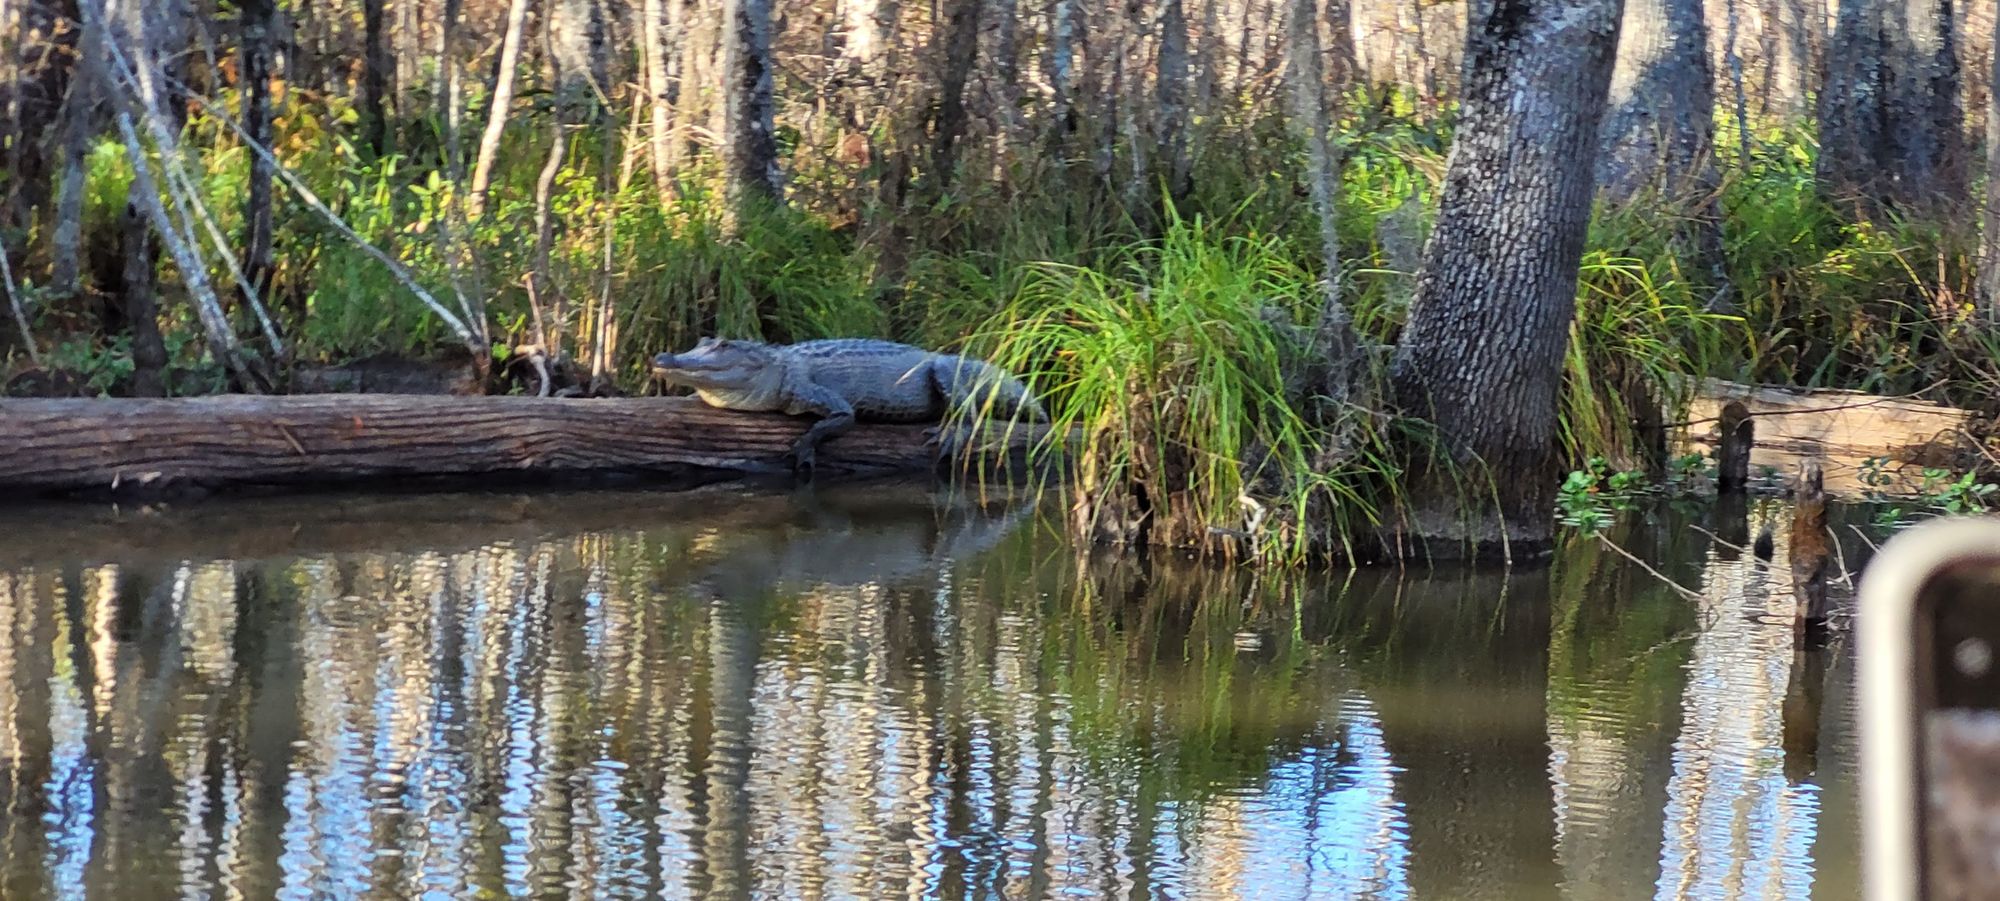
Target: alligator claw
943, 442
800, 461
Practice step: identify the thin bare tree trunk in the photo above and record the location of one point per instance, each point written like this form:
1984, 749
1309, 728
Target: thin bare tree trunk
1173, 99
20, 312
257, 18
1989, 230
149, 350
449, 89
79, 122
1308, 88
1007, 70
1735, 59
660, 139
377, 67
961, 46
1063, 36
502, 107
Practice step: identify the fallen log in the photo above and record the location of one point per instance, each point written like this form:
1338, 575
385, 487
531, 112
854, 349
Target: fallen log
1841, 429
145, 448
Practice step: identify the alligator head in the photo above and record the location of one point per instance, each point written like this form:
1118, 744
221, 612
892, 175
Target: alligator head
722, 366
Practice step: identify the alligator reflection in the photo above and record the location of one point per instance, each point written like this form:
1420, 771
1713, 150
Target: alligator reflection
879, 691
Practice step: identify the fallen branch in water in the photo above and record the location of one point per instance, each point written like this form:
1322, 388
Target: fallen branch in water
1682, 590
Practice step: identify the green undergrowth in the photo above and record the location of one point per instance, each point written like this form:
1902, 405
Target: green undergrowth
1169, 332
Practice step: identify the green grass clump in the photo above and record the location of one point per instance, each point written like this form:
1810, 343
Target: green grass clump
1173, 358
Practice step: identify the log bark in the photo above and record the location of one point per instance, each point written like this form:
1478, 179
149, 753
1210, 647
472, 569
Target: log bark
1481, 355
135, 447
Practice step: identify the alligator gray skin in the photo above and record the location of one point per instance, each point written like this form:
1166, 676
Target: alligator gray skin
842, 381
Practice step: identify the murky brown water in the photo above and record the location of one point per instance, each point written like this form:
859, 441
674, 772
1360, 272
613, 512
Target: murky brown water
875, 692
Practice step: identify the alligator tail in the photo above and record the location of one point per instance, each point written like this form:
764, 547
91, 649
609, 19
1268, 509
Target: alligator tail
980, 388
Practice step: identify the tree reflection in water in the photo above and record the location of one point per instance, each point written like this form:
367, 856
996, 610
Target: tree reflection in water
879, 691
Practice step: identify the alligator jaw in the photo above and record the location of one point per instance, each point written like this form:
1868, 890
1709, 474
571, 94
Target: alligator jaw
672, 363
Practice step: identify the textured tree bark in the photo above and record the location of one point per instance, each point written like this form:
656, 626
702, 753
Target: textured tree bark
1172, 92
1481, 354
377, 67
961, 45
256, 21
79, 122
1989, 225
1659, 128
1891, 135
660, 140
1791, 59
1063, 34
450, 98
501, 107
38, 41
1658, 135
149, 351
1308, 83
151, 446
749, 147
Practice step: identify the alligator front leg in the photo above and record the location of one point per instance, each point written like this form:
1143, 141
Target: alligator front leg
836, 416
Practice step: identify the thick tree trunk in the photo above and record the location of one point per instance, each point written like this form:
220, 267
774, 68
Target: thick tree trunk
1481, 354
1659, 128
1891, 134
139, 446
501, 108
749, 147
1658, 136
377, 67
257, 24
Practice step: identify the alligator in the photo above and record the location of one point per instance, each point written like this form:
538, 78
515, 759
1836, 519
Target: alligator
842, 381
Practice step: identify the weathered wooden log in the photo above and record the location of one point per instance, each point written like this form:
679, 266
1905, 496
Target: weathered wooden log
132, 447
1840, 429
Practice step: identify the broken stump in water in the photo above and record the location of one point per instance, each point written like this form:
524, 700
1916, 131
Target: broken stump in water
1732, 449
1812, 545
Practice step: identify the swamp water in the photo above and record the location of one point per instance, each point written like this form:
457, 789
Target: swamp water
874, 691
